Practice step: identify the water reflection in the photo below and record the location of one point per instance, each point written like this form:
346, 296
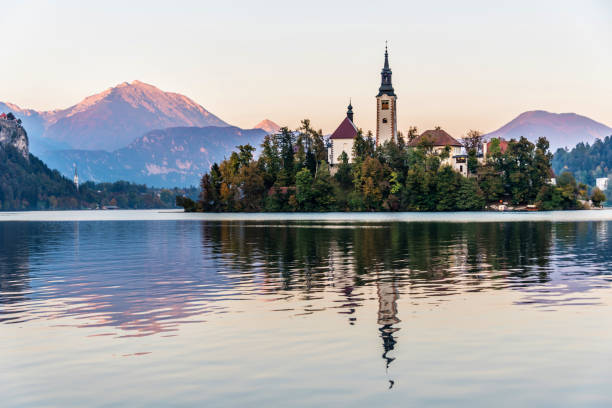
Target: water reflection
143, 278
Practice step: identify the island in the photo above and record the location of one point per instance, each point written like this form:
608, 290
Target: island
295, 171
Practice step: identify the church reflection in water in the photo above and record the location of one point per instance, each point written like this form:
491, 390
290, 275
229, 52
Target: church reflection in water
417, 260
150, 278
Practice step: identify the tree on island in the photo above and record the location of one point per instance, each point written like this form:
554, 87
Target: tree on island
292, 174
597, 197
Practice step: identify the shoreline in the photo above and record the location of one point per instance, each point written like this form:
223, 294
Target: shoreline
326, 217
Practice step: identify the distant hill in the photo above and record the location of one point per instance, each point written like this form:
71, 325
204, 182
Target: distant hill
586, 161
163, 158
561, 129
111, 119
26, 183
268, 126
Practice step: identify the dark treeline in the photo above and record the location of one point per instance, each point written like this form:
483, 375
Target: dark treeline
587, 162
28, 184
292, 174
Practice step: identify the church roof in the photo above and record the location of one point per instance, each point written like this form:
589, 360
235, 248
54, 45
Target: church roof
346, 130
436, 136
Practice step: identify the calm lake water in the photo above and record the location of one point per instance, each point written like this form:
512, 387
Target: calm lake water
169, 309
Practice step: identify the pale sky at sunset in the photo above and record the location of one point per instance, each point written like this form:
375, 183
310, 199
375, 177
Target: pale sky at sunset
460, 65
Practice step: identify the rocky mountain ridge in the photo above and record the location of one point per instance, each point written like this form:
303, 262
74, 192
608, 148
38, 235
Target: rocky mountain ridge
113, 118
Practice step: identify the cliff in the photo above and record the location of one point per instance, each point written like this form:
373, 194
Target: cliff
13, 134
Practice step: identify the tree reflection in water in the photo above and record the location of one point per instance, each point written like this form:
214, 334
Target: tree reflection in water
417, 259
152, 277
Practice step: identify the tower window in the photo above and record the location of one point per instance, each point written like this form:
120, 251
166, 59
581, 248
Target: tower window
384, 105
384, 120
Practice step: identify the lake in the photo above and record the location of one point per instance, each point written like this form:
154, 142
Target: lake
162, 308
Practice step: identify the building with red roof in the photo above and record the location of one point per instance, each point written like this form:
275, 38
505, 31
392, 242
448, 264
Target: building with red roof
439, 140
342, 138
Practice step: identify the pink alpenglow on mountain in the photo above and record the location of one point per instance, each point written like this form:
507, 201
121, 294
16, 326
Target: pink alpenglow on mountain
268, 126
561, 129
114, 118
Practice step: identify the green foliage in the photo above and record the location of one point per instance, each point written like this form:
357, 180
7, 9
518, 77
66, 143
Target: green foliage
291, 174
304, 194
343, 174
563, 196
597, 197
28, 184
187, 203
586, 161
469, 196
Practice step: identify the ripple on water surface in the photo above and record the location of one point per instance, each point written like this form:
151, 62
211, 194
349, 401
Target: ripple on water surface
269, 303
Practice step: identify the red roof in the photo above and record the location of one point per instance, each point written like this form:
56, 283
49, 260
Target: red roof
503, 145
437, 137
346, 130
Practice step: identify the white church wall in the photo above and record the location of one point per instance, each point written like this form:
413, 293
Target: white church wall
338, 146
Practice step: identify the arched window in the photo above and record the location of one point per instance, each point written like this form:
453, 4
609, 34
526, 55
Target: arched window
384, 120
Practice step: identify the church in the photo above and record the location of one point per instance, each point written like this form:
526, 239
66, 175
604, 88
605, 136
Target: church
341, 140
386, 119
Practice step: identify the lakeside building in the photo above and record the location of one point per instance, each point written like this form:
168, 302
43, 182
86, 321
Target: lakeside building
438, 139
602, 183
342, 138
386, 119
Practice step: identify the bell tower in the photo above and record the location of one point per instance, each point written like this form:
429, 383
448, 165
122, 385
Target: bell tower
386, 106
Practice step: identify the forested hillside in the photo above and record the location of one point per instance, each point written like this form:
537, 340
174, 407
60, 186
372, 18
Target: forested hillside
586, 161
28, 184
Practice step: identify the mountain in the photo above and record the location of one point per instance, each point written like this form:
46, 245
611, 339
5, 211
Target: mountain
25, 181
268, 126
170, 157
112, 119
35, 122
561, 129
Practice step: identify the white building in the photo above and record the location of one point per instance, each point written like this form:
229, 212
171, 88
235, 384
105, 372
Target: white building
439, 140
342, 139
386, 107
602, 183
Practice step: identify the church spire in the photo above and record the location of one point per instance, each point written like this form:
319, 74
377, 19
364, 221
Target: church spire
349, 112
385, 77
386, 57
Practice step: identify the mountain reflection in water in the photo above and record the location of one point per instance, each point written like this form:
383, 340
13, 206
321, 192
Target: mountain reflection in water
143, 278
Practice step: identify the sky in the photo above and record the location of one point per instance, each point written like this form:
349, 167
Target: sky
460, 65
